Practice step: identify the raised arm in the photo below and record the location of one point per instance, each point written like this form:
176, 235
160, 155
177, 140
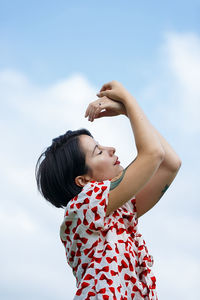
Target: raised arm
150, 151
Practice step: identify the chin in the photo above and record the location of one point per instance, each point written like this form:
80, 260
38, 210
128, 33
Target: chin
120, 167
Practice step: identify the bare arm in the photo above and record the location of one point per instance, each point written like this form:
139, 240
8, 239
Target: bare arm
154, 190
146, 139
171, 160
150, 151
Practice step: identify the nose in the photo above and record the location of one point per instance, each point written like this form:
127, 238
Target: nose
111, 150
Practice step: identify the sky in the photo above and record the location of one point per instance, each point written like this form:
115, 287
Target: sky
54, 58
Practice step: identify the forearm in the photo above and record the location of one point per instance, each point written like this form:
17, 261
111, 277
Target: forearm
171, 159
146, 139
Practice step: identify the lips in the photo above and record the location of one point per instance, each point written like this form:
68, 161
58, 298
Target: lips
117, 162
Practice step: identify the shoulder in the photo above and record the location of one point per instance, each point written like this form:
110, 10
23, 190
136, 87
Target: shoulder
89, 206
93, 190
95, 187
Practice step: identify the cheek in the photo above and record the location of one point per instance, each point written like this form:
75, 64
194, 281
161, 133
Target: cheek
101, 165
105, 165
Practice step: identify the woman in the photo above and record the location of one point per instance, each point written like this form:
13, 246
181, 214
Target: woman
103, 201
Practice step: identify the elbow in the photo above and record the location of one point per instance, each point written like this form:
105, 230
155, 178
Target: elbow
174, 164
177, 164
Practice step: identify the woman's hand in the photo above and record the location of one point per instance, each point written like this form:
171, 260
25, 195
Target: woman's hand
114, 90
104, 107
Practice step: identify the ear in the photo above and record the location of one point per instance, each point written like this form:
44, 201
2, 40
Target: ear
82, 180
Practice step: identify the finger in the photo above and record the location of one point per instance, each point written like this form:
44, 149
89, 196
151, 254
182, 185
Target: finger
89, 109
91, 114
104, 93
97, 109
94, 108
104, 113
106, 86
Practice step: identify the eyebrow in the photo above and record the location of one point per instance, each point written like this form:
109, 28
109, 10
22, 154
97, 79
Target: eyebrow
94, 148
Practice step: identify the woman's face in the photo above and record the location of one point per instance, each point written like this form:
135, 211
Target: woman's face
100, 159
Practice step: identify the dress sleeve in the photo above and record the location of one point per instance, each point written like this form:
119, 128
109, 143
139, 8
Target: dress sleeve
95, 198
130, 207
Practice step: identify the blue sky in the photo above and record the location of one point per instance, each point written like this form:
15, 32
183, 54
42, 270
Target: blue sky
47, 40
54, 57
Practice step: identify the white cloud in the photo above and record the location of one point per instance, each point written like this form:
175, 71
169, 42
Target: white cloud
183, 53
52, 105
184, 59
173, 93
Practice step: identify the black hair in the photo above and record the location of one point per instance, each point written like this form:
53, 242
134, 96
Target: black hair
63, 161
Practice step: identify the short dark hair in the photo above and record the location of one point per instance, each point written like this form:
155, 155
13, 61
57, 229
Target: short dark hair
63, 161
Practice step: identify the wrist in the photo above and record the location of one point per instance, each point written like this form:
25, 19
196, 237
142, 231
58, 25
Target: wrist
127, 99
